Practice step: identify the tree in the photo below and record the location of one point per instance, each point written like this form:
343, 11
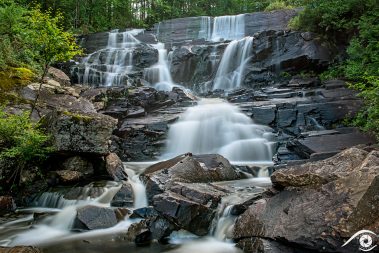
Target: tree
49, 42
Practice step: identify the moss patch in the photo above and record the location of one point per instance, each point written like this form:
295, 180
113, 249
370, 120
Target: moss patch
14, 78
78, 117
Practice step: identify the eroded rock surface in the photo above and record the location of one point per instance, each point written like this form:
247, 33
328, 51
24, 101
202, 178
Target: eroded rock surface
317, 205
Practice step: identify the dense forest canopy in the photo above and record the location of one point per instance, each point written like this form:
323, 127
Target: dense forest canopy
97, 15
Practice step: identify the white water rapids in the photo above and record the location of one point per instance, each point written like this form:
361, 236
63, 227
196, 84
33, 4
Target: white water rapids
215, 126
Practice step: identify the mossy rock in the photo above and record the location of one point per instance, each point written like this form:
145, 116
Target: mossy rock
13, 78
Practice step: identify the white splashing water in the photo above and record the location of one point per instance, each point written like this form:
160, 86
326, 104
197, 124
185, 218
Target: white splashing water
215, 126
233, 64
58, 226
159, 75
109, 66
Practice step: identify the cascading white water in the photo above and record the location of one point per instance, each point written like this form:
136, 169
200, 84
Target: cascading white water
231, 27
139, 190
159, 75
228, 27
233, 64
205, 31
109, 66
214, 126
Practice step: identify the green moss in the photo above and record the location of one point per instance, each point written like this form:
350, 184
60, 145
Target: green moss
78, 117
14, 78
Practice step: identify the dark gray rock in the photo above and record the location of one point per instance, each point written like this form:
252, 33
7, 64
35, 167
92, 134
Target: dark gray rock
94, 217
188, 169
318, 205
329, 144
80, 133
124, 197
190, 206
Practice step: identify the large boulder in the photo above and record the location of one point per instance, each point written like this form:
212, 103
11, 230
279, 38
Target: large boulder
187, 168
318, 205
94, 217
80, 133
190, 206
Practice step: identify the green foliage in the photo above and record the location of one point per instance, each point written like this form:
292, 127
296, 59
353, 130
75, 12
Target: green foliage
49, 42
278, 5
22, 144
352, 23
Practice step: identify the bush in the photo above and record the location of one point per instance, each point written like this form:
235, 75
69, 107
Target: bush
278, 5
22, 144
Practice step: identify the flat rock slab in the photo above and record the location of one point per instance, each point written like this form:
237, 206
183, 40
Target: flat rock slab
330, 144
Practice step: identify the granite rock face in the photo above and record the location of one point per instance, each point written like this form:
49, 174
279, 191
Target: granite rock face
80, 133
335, 198
184, 29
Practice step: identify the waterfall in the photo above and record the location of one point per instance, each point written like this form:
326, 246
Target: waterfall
228, 27
109, 66
159, 75
214, 126
205, 31
233, 64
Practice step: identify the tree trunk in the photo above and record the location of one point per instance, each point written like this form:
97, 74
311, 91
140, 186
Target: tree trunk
39, 91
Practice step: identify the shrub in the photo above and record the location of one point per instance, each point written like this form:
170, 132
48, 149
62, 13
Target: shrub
278, 5
22, 144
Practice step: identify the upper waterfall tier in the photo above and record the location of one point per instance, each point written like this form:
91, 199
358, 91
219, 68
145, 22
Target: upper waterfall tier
111, 65
224, 27
218, 127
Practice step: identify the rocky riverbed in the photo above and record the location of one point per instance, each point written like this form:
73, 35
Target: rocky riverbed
267, 166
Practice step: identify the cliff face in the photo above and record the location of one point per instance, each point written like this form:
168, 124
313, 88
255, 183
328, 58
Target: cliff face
197, 45
184, 29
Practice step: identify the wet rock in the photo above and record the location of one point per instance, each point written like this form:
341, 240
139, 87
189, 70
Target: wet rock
124, 197
190, 206
188, 169
329, 144
80, 133
20, 249
94, 217
144, 212
184, 29
319, 204
7, 204
264, 115
115, 167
